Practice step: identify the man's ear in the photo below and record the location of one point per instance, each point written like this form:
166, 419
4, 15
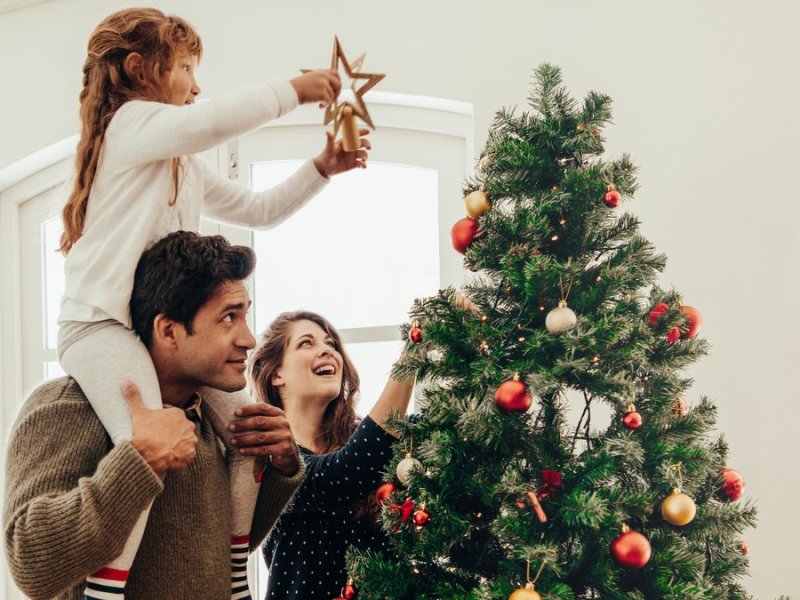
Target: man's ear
165, 331
134, 69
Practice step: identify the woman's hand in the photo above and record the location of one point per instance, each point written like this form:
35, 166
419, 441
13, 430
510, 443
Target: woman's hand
334, 159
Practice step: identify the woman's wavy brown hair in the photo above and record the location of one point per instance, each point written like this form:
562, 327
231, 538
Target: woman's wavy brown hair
159, 38
339, 419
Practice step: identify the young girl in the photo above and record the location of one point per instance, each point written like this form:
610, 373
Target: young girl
301, 367
137, 180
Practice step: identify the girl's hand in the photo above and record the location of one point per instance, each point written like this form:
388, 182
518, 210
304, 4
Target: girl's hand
333, 159
321, 86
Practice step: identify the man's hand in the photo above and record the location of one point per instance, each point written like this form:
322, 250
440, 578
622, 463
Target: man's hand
165, 437
261, 429
322, 85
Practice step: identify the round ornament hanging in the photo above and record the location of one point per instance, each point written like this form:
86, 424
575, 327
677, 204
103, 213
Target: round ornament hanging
349, 591
693, 322
421, 518
415, 333
406, 467
384, 492
632, 419
612, 197
732, 486
561, 319
463, 234
680, 408
477, 203
678, 509
631, 549
526, 593
513, 396
435, 355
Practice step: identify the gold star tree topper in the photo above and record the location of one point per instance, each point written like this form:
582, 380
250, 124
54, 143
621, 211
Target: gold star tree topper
343, 113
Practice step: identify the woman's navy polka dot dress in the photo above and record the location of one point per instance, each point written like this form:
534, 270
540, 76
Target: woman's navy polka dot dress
305, 552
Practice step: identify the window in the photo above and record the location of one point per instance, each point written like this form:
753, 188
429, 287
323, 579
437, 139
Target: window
358, 254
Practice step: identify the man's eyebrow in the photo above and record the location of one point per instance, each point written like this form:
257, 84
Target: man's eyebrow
237, 306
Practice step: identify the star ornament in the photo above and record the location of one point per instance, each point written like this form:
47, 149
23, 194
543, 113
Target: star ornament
353, 70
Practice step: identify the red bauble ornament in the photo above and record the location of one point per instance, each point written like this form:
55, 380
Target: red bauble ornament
512, 396
744, 548
415, 334
658, 310
612, 197
694, 321
631, 549
384, 491
732, 486
349, 592
421, 518
632, 419
679, 407
463, 233
673, 335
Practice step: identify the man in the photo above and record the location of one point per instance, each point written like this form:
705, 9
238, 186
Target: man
72, 497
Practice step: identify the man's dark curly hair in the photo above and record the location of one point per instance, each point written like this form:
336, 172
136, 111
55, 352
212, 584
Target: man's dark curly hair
179, 274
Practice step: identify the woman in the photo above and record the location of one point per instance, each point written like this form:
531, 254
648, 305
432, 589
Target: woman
302, 368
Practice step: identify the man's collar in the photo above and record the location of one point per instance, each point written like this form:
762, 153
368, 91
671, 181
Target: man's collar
193, 408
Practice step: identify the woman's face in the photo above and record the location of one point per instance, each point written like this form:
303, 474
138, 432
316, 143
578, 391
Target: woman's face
312, 366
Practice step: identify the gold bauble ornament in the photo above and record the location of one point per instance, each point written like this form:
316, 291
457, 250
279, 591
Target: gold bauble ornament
678, 508
407, 466
526, 593
561, 319
477, 203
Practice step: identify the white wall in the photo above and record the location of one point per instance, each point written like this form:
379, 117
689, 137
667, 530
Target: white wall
703, 91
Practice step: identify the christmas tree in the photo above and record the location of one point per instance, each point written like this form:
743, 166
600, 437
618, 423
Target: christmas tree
499, 490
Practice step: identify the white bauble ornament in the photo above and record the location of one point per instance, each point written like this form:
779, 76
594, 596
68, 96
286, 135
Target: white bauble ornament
405, 467
561, 319
435, 356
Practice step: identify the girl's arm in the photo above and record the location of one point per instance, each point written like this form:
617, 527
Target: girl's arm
144, 131
235, 204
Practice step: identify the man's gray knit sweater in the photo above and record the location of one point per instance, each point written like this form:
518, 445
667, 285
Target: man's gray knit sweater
72, 498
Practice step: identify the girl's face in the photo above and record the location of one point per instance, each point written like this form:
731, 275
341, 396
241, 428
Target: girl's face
311, 367
183, 88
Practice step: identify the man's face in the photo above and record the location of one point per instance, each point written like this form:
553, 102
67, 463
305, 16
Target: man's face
215, 354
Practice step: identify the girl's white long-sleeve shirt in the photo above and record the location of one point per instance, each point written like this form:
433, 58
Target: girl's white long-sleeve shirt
129, 203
